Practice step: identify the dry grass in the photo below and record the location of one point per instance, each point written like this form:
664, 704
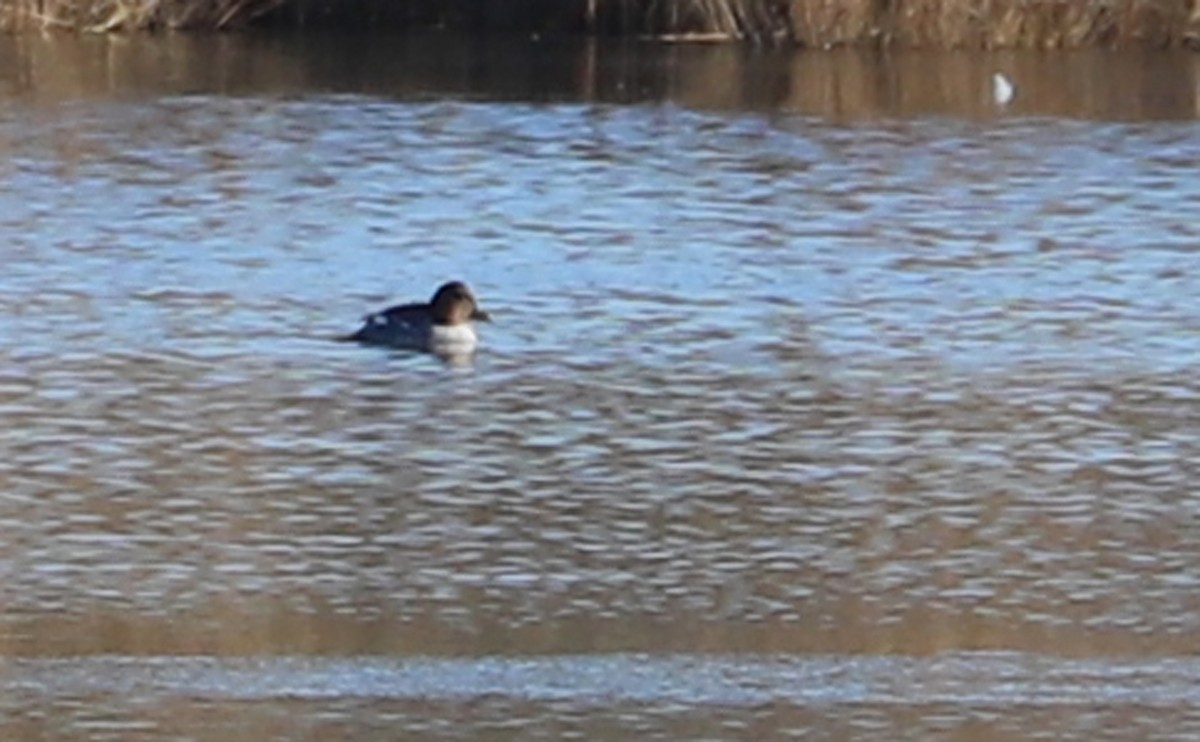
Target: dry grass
996, 23
701, 20
814, 23
104, 16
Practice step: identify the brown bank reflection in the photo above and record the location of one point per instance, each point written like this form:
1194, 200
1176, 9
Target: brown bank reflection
841, 84
166, 506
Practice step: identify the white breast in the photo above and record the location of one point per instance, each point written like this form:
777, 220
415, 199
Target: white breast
444, 336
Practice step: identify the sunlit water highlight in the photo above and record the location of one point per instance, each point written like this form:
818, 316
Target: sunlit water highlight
958, 696
599, 680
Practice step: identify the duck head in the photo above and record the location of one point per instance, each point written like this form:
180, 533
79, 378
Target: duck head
454, 304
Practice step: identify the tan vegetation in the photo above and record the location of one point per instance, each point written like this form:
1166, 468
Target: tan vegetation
814, 23
997, 23
130, 15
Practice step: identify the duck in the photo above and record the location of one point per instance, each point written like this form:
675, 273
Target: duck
443, 326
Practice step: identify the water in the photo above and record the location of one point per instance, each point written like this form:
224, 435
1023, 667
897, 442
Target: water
615, 695
825, 396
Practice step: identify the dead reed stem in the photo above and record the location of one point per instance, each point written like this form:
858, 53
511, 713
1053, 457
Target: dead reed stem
105, 16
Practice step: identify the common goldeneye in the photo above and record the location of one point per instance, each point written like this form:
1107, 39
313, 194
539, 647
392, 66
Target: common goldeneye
441, 326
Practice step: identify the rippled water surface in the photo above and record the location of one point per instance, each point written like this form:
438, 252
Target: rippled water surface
801, 414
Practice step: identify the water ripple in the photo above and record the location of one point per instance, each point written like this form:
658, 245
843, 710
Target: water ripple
769, 381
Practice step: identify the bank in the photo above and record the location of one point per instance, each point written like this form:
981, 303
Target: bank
983, 24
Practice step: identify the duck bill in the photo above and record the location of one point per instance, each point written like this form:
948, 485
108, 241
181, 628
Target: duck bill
481, 316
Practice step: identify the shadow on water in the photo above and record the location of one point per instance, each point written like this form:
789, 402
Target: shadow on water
841, 84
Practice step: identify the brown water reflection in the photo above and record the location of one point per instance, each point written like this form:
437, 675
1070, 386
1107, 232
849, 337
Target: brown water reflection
155, 502
844, 84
